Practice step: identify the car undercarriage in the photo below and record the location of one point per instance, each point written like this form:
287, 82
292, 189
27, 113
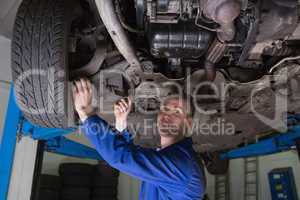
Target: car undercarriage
238, 60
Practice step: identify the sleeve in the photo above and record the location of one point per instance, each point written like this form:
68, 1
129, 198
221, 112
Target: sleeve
158, 168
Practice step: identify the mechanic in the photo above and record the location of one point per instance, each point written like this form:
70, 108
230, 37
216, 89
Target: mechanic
172, 172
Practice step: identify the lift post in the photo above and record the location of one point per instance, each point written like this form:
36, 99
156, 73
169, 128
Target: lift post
8, 143
16, 127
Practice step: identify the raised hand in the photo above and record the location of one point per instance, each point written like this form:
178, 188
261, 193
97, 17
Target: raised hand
122, 109
82, 95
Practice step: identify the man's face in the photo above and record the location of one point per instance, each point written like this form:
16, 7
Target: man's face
172, 117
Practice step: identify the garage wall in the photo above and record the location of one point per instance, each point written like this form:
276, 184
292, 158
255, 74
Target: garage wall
5, 76
266, 164
5, 73
4, 94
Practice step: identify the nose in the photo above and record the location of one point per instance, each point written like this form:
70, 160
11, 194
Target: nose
166, 117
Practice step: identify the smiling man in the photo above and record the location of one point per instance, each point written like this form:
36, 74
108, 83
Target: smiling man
170, 173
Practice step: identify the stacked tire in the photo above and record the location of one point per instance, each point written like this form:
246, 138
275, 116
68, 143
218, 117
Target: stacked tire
104, 182
49, 187
76, 181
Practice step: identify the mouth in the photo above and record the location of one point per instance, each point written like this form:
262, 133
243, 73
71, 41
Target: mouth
168, 128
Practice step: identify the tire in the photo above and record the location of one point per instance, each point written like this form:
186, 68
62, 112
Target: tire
75, 194
105, 192
76, 181
105, 170
75, 169
104, 198
49, 182
46, 194
39, 47
99, 181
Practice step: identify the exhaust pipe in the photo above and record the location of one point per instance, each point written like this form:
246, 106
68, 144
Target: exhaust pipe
116, 31
214, 54
224, 12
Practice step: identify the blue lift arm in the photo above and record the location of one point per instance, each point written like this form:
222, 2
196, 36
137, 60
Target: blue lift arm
275, 144
57, 143
40, 133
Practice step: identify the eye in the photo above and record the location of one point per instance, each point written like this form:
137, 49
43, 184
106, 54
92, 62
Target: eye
178, 111
164, 108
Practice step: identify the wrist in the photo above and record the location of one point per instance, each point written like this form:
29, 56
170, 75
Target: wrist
86, 113
121, 124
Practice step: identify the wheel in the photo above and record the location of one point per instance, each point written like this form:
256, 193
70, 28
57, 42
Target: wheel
40, 60
104, 198
49, 182
45, 50
105, 192
75, 194
105, 170
47, 194
75, 169
76, 180
99, 181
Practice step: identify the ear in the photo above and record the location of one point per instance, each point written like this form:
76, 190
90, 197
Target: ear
189, 122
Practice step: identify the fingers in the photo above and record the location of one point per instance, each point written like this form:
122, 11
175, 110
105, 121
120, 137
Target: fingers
122, 105
89, 86
118, 108
78, 86
74, 89
82, 85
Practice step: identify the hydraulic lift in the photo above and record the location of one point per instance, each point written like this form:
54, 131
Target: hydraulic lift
16, 127
276, 143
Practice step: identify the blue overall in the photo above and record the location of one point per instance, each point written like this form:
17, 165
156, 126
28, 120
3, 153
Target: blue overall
171, 173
